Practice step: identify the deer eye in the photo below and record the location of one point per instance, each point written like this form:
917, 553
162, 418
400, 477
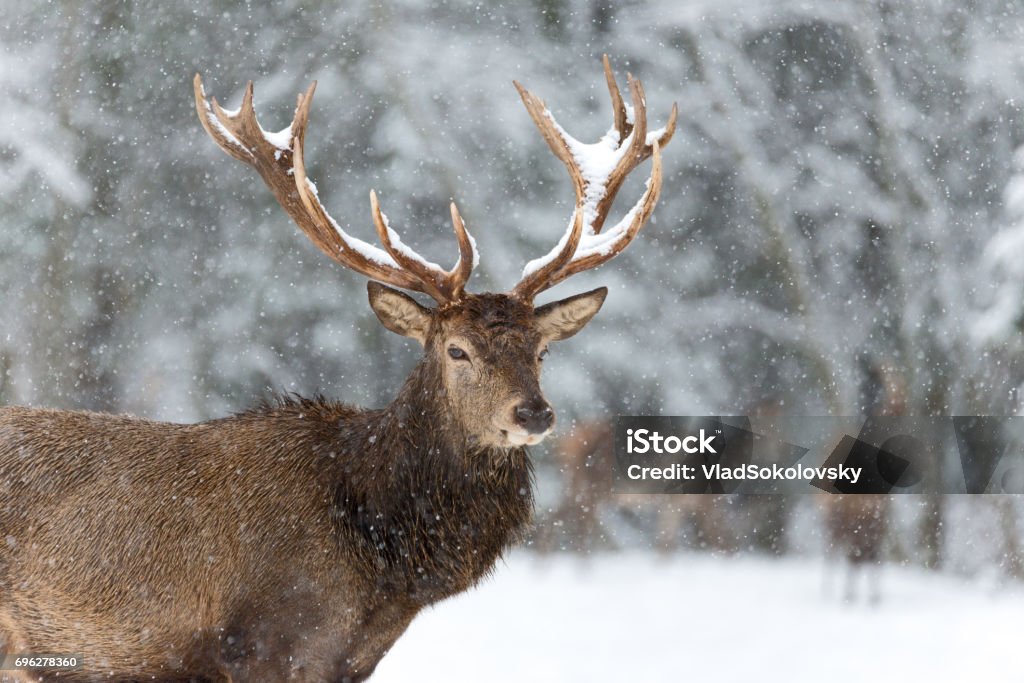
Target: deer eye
457, 353
542, 355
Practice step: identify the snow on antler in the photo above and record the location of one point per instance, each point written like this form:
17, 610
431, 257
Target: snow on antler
596, 162
597, 171
278, 157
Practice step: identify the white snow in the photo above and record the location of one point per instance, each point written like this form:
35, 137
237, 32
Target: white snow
654, 135
39, 151
998, 320
398, 245
215, 122
476, 251
365, 249
596, 162
282, 139
698, 618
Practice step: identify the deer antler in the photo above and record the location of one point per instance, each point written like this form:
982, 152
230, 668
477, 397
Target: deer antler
597, 171
278, 157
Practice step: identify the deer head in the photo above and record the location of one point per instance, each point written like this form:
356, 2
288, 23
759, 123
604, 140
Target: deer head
486, 349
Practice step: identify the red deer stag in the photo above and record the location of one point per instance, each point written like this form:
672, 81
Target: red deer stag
298, 540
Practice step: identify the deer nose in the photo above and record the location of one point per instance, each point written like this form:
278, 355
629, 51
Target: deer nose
536, 417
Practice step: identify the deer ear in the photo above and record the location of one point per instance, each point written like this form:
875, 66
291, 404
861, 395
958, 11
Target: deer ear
560, 320
399, 312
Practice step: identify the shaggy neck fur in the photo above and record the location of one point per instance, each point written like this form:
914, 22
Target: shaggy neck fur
429, 512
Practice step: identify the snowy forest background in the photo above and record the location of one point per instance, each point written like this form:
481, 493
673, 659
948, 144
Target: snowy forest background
841, 227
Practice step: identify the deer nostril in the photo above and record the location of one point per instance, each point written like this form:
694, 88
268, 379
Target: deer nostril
535, 419
547, 416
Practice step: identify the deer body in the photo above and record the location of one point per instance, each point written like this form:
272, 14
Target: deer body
296, 542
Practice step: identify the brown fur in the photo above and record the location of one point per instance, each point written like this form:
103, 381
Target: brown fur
295, 541
504, 345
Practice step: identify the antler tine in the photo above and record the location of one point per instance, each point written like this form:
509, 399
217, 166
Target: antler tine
430, 274
559, 142
279, 159
442, 285
622, 149
636, 153
618, 238
557, 139
622, 124
468, 255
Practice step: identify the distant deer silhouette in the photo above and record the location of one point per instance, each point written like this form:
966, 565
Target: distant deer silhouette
856, 526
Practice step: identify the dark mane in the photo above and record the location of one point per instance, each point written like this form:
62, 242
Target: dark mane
279, 402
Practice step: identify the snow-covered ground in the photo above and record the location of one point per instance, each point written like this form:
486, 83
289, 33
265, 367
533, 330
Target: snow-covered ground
696, 618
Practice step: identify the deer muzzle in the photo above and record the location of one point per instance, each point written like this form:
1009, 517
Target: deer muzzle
535, 416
